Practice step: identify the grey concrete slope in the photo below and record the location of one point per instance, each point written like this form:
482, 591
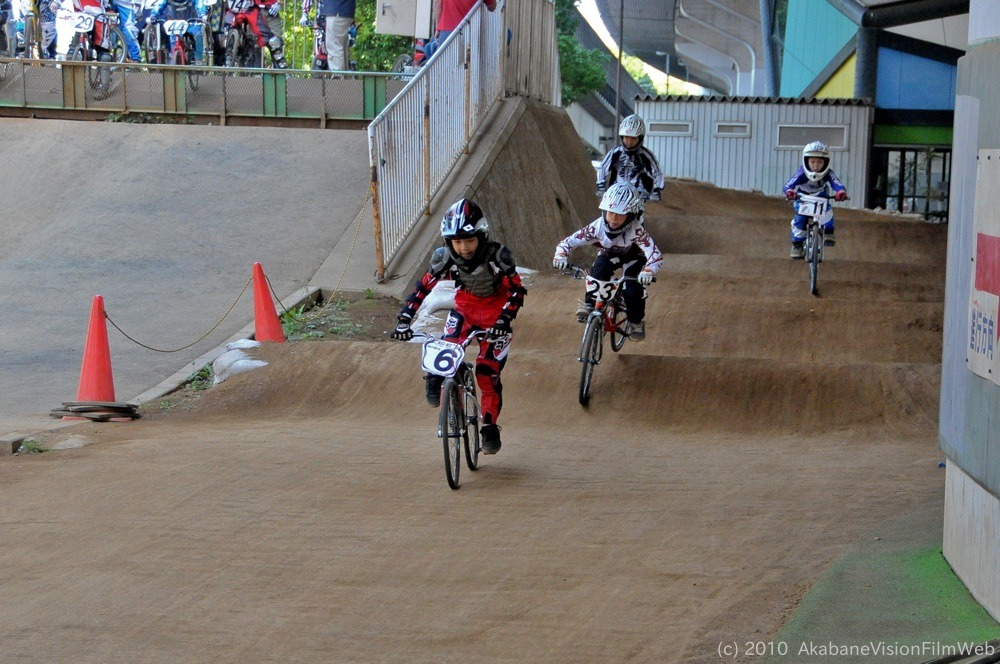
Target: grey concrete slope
526, 167
165, 222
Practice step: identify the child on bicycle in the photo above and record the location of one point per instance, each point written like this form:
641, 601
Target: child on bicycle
814, 178
488, 295
622, 243
186, 10
631, 162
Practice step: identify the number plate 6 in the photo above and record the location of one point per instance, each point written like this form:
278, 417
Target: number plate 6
441, 357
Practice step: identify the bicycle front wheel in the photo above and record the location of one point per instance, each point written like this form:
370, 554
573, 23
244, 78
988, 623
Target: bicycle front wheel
814, 244
590, 355
193, 74
451, 425
233, 43
117, 46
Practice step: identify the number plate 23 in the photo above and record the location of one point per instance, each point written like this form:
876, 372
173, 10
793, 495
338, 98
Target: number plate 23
441, 357
601, 290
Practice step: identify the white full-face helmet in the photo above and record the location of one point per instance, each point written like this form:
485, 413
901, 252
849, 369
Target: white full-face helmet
621, 198
633, 125
816, 149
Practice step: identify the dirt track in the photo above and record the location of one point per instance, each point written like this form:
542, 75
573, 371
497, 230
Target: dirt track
300, 513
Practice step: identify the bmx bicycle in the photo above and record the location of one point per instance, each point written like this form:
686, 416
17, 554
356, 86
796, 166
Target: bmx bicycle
182, 45
609, 317
86, 46
320, 60
459, 414
819, 212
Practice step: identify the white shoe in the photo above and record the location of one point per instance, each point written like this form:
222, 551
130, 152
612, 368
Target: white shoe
637, 331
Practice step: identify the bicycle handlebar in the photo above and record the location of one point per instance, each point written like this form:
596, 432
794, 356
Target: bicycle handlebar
577, 270
465, 343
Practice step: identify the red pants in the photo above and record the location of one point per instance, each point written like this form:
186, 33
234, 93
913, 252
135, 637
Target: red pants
491, 359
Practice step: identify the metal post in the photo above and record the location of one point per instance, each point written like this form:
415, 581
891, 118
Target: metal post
427, 142
377, 223
618, 72
468, 94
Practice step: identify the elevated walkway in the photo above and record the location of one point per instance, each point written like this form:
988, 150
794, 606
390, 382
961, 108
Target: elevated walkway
197, 95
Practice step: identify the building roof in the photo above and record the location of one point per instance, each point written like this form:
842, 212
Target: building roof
719, 44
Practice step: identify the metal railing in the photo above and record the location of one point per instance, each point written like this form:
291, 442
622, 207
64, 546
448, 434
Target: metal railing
417, 140
192, 91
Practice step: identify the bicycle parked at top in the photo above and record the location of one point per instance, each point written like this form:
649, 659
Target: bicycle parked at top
97, 38
320, 59
36, 39
8, 38
246, 43
609, 316
459, 414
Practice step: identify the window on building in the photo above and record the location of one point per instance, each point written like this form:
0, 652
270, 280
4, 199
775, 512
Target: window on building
732, 130
914, 180
798, 136
662, 128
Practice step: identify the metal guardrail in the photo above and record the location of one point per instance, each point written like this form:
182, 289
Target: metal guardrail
192, 91
417, 140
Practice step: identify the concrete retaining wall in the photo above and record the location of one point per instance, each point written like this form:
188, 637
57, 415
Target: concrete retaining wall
967, 435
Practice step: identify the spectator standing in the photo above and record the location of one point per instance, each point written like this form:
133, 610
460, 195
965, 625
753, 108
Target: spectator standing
450, 13
339, 16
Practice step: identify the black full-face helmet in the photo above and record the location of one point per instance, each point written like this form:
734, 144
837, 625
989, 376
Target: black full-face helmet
465, 219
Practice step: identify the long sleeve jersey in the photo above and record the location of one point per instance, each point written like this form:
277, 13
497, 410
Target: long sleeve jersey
483, 291
639, 169
829, 184
595, 234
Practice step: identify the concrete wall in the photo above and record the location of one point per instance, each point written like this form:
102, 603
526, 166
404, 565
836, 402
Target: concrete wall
529, 162
970, 405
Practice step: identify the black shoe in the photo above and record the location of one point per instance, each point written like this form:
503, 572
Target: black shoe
798, 251
829, 239
432, 389
490, 438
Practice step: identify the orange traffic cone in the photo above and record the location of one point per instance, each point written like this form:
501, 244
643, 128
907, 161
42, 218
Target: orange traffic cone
96, 381
267, 327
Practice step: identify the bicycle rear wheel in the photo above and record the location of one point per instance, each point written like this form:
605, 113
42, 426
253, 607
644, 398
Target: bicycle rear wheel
590, 355
619, 318
451, 427
32, 41
402, 61
471, 437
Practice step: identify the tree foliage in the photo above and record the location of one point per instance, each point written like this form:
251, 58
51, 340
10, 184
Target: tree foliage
376, 52
371, 51
636, 68
581, 69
